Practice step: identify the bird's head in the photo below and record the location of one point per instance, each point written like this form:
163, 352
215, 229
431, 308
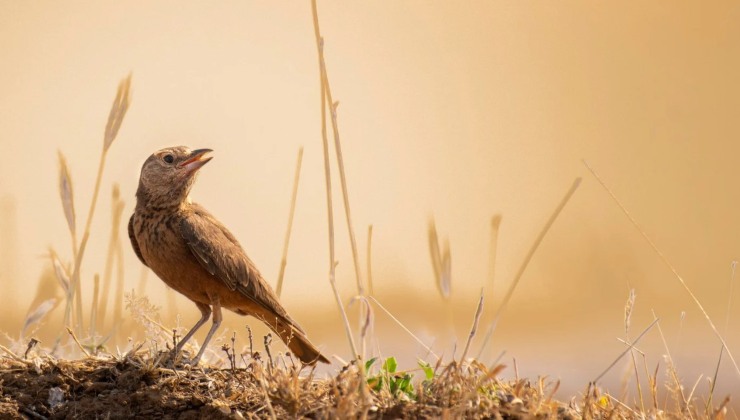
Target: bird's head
168, 174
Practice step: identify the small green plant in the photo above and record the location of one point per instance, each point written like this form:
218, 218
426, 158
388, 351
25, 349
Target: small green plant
397, 383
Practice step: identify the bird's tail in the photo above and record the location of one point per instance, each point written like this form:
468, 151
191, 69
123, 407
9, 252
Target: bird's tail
296, 340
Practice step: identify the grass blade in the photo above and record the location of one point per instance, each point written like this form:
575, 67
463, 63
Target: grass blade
284, 260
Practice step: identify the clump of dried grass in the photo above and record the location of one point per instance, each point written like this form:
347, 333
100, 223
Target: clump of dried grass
140, 384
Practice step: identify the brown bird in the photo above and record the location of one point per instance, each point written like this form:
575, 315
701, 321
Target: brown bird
196, 255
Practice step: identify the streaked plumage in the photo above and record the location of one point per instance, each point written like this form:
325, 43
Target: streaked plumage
196, 255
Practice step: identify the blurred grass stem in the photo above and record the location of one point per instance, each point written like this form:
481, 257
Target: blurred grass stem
526, 261
294, 195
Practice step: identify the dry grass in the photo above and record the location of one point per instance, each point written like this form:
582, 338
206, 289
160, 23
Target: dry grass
144, 382
140, 383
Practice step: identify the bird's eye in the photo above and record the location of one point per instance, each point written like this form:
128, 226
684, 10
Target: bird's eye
168, 158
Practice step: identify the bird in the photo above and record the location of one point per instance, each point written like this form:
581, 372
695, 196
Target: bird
197, 256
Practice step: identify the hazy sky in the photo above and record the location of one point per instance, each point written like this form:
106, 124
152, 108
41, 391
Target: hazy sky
452, 110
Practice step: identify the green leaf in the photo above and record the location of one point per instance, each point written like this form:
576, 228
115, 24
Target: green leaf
393, 386
427, 368
390, 365
405, 386
369, 363
376, 383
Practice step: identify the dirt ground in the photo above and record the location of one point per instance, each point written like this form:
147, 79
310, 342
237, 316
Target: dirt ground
136, 386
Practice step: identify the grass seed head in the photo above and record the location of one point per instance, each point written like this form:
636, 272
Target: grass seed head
117, 112
66, 193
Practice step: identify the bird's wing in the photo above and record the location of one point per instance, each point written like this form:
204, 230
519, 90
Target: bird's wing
134, 242
218, 251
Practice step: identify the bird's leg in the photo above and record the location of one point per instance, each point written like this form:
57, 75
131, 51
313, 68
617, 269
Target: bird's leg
205, 310
216, 323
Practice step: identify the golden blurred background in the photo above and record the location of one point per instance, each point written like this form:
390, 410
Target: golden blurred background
456, 111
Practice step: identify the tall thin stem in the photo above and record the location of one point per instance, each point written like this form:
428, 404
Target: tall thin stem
526, 261
284, 260
327, 101
342, 177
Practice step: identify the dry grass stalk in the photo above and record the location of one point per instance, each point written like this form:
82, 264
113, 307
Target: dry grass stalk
525, 263
441, 263
94, 310
666, 262
66, 195
118, 303
327, 173
326, 100
74, 337
367, 323
400, 324
677, 389
733, 267
117, 206
691, 395
473, 328
493, 251
329, 101
270, 409
627, 350
628, 308
11, 354
371, 290
653, 381
293, 196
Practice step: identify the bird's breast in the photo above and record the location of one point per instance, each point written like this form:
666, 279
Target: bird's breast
167, 254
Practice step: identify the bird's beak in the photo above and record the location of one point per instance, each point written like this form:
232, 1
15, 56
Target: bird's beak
195, 161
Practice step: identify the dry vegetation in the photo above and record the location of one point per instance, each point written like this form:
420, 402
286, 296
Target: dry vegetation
145, 381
